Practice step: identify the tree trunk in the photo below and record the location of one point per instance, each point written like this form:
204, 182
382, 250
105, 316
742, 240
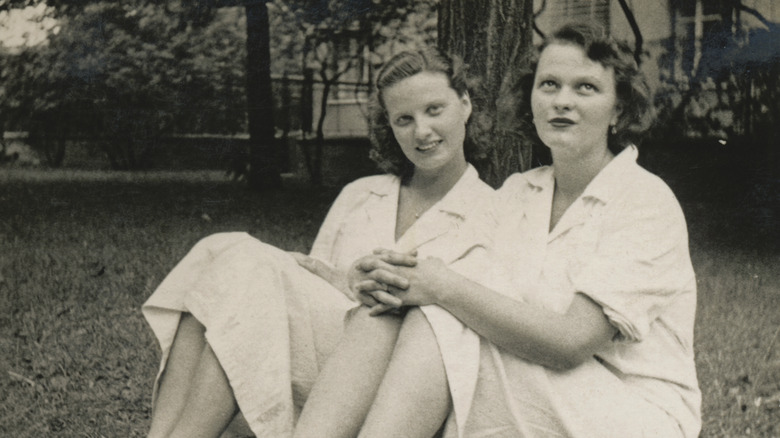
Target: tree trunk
492, 36
264, 171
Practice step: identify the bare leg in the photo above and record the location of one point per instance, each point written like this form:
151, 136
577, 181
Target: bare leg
348, 383
175, 380
210, 405
413, 399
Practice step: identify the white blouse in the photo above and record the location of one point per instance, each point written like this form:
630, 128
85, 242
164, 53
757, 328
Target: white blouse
624, 244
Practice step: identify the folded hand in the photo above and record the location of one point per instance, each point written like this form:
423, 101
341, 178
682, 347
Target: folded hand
423, 282
372, 278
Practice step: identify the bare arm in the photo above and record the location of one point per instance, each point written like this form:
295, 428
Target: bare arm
558, 341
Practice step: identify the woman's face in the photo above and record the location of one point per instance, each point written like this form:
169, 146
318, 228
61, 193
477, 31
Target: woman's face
573, 101
428, 119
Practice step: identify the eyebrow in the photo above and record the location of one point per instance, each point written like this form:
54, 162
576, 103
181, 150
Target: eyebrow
591, 78
578, 78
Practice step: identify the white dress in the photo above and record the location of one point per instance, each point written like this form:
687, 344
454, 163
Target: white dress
272, 324
623, 243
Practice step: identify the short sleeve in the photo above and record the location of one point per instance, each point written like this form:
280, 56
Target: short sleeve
640, 264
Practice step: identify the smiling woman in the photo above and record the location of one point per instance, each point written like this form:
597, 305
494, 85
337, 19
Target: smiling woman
429, 120
244, 326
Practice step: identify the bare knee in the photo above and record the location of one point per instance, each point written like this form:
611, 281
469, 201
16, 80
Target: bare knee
416, 321
415, 333
415, 316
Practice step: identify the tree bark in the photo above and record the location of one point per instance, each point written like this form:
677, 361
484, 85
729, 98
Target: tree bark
492, 37
264, 163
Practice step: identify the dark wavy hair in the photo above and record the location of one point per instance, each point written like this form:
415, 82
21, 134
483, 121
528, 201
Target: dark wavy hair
633, 93
385, 150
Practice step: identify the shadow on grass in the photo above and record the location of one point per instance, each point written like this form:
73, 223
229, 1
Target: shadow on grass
79, 258
730, 193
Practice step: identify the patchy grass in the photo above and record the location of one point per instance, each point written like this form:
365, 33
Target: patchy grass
81, 252
737, 345
78, 260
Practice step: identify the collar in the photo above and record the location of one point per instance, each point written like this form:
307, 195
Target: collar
454, 202
451, 203
540, 178
389, 186
603, 187
611, 179
448, 215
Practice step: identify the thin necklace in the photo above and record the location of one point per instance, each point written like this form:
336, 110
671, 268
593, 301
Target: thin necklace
411, 200
419, 212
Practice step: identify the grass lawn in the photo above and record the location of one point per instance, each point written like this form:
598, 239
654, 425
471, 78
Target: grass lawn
82, 251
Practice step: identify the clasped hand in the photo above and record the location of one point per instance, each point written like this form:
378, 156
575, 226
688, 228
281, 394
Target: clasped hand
387, 280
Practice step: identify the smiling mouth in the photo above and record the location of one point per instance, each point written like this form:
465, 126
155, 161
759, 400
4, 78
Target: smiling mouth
561, 122
428, 146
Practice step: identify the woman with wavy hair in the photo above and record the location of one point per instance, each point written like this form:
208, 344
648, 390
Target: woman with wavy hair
246, 327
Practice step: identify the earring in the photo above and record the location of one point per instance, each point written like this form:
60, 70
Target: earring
613, 129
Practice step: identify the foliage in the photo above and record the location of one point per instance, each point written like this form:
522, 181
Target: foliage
343, 41
122, 75
125, 74
308, 34
731, 92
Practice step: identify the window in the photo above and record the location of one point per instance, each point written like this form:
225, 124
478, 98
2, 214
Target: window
697, 24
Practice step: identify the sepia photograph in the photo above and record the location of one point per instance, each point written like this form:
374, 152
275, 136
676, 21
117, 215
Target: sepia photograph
406, 218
